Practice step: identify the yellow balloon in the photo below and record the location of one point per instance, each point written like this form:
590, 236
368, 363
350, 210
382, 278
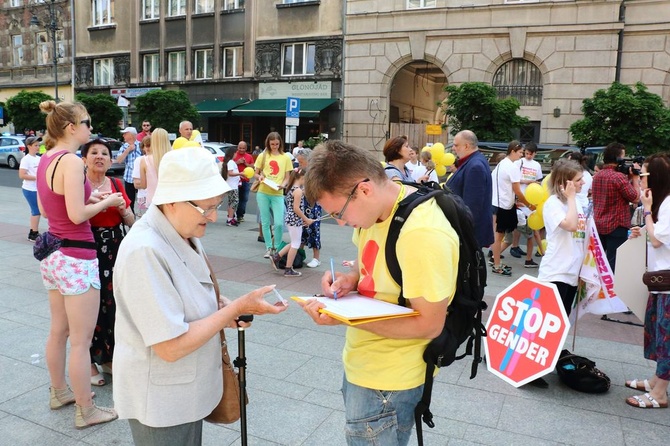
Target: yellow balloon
441, 170
248, 172
544, 245
534, 193
448, 159
425, 148
540, 208
535, 221
439, 146
545, 183
436, 153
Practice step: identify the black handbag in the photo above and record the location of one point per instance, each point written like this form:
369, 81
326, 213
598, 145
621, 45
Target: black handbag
580, 373
658, 281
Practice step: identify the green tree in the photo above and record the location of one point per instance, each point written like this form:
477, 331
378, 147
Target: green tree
105, 114
631, 116
24, 110
475, 106
166, 109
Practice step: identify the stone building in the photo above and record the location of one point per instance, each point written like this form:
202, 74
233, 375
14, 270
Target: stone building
27, 48
548, 54
238, 61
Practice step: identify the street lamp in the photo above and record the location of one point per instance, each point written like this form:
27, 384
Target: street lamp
52, 26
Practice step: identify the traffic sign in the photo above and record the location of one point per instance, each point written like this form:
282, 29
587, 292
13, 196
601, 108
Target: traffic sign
526, 331
292, 107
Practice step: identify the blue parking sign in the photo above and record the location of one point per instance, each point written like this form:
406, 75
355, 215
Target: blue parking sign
292, 107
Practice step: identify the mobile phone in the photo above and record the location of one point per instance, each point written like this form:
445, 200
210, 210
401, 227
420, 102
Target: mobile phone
279, 297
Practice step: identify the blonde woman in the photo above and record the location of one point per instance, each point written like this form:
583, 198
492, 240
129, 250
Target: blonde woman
160, 145
70, 274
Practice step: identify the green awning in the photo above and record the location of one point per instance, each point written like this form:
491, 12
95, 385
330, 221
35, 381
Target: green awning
309, 108
218, 108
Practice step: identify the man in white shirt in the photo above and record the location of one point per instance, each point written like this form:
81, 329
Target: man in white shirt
531, 172
506, 179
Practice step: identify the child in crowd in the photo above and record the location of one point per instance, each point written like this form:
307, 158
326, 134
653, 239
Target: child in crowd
294, 219
28, 172
231, 173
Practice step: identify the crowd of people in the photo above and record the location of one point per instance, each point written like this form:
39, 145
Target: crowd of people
159, 337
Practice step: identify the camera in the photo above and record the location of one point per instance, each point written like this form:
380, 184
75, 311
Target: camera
625, 165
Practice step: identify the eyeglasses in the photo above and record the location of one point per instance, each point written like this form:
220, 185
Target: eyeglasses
83, 121
205, 212
146, 125
339, 215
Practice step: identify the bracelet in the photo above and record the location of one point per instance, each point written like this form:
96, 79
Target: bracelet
646, 213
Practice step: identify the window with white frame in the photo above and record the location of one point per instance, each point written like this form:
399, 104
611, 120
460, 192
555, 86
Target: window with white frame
416, 4
103, 12
151, 67
176, 8
45, 47
233, 4
232, 62
17, 50
204, 64
298, 59
177, 65
202, 6
103, 72
151, 9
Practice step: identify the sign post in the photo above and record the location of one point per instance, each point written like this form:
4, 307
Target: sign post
292, 118
526, 331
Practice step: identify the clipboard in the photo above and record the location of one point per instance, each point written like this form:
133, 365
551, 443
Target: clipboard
271, 184
354, 309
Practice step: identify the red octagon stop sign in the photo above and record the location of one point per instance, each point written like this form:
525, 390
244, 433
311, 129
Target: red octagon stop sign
526, 330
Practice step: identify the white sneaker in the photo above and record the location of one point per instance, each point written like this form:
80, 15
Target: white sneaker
313, 263
268, 253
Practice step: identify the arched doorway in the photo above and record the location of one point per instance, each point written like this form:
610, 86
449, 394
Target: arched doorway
415, 91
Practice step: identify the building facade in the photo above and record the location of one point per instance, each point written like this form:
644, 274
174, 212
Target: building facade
238, 61
27, 47
548, 54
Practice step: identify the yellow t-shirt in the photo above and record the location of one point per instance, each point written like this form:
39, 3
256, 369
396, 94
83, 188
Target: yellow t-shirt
427, 250
275, 168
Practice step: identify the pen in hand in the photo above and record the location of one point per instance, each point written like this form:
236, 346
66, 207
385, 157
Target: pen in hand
332, 273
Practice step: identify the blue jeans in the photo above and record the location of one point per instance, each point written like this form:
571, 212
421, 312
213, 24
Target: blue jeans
379, 417
271, 205
244, 188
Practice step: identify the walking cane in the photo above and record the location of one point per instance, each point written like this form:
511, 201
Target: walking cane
241, 363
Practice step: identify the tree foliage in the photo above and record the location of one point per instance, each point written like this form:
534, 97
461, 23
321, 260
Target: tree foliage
475, 106
24, 110
632, 116
105, 114
166, 109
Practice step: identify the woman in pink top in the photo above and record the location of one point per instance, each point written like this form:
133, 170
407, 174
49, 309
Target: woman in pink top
70, 274
160, 145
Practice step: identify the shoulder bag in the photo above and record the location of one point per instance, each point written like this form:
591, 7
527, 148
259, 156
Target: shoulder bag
580, 373
257, 184
656, 281
228, 409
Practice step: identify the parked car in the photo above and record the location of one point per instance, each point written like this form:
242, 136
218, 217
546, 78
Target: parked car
115, 145
12, 150
218, 149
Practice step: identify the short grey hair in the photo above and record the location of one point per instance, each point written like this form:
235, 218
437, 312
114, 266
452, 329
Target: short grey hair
306, 152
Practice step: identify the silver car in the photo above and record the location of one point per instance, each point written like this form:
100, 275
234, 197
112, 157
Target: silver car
12, 149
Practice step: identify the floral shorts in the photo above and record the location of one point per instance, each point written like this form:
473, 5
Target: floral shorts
69, 275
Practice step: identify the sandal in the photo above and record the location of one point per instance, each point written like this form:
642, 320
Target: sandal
98, 380
642, 386
60, 397
637, 401
90, 416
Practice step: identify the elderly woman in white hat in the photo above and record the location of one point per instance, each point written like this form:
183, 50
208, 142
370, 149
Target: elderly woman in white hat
167, 360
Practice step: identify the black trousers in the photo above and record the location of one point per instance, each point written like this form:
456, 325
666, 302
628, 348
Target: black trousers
611, 243
567, 293
131, 191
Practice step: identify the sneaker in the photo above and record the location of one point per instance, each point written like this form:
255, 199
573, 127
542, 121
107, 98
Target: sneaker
491, 255
290, 272
501, 271
537, 254
230, 222
493, 264
234, 222
313, 263
274, 260
516, 252
240, 219
268, 253
530, 264
32, 235
261, 239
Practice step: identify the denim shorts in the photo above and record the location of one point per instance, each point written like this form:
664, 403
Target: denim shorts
31, 198
379, 416
69, 275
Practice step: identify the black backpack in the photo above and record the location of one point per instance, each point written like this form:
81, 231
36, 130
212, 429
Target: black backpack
464, 320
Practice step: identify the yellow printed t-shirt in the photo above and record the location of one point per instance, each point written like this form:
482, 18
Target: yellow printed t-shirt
427, 250
275, 168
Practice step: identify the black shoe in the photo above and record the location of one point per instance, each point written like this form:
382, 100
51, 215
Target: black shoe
491, 255
540, 383
530, 264
32, 236
516, 252
261, 239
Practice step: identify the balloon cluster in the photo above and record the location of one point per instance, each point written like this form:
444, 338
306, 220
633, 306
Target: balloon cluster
441, 158
536, 195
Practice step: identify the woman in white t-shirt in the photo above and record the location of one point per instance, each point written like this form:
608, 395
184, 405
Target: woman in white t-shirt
231, 174
427, 170
655, 198
27, 172
565, 223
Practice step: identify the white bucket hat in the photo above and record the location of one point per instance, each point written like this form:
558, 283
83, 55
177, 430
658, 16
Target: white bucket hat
188, 174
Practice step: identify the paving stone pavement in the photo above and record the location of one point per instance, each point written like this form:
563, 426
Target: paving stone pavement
294, 369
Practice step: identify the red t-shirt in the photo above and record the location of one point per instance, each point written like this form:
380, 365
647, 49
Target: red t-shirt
111, 216
249, 160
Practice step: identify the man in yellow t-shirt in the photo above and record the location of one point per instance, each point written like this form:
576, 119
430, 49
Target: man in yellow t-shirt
383, 360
